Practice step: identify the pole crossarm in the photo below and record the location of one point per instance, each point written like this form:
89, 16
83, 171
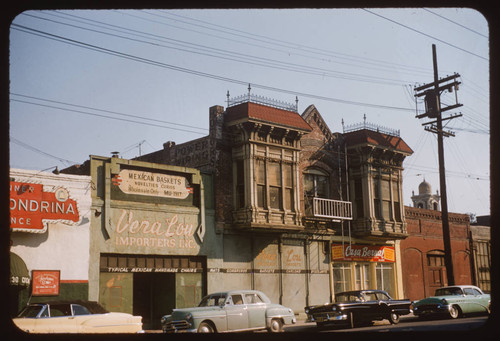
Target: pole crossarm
428, 85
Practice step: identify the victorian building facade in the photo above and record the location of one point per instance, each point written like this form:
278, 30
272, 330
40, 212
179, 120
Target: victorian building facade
302, 212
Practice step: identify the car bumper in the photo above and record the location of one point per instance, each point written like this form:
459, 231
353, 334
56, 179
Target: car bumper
322, 318
431, 310
178, 327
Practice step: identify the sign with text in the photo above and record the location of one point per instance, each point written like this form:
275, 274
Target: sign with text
152, 184
147, 230
31, 207
363, 253
46, 282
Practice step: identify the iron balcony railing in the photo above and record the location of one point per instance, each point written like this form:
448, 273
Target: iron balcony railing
332, 209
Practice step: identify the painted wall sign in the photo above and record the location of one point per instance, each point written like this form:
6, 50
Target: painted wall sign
46, 282
32, 206
363, 253
154, 230
152, 184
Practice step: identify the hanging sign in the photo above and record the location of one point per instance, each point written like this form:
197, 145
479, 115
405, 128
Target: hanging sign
152, 184
363, 253
46, 282
32, 206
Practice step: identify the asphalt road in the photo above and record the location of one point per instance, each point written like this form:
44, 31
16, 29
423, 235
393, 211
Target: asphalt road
408, 324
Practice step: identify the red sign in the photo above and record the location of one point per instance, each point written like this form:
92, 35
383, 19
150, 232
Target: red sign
363, 253
31, 207
46, 282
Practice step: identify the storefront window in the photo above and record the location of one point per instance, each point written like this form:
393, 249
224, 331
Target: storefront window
385, 277
341, 277
362, 276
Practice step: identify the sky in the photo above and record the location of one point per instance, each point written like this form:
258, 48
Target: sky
93, 82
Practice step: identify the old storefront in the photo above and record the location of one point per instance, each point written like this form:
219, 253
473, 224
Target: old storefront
49, 237
150, 237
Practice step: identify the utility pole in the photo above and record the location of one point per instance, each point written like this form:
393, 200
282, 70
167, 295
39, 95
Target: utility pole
432, 92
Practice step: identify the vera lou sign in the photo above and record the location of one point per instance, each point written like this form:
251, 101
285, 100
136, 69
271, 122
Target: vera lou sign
363, 253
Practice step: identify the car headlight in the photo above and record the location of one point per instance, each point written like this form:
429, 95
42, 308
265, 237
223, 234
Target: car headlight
307, 311
334, 308
189, 317
165, 319
443, 301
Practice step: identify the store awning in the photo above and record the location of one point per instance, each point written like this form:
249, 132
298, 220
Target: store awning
19, 274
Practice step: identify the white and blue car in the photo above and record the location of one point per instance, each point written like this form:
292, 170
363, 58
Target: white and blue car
453, 301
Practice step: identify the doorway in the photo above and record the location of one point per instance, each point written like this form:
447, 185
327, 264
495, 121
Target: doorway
153, 297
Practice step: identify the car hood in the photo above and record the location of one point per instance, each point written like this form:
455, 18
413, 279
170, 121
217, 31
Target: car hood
195, 311
434, 300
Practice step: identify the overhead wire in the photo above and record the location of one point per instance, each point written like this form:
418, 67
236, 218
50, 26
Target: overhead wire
214, 52
115, 53
456, 23
427, 35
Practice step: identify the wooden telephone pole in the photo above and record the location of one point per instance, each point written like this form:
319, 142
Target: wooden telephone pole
432, 92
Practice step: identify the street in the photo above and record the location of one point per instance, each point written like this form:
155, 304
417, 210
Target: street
407, 324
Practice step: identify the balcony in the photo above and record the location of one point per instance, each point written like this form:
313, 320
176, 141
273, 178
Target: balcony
336, 210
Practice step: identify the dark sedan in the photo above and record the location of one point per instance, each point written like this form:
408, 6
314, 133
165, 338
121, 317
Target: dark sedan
352, 307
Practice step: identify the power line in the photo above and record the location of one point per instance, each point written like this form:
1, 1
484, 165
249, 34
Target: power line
36, 150
105, 116
454, 22
109, 112
225, 54
425, 34
191, 71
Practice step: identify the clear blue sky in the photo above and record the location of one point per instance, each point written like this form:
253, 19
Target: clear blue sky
95, 82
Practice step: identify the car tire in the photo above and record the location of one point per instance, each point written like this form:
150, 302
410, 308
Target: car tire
206, 327
454, 312
393, 318
276, 326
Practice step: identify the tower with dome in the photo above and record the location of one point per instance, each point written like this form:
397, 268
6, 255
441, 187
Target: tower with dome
425, 199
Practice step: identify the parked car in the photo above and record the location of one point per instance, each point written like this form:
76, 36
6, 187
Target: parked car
353, 307
75, 317
230, 311
453, 301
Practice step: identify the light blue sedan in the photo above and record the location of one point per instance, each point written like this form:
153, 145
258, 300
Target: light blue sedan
453, 301
230, 311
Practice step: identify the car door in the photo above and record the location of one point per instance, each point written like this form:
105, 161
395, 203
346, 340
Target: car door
256, 309
61, 319
236, 312
474, 301
371, 307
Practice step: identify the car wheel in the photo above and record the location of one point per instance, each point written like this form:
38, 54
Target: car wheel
454, 312
393, 318
276, 326
206, 327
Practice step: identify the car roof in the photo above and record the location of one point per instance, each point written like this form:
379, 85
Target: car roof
245, 291
92, 306
357, 292
461, 286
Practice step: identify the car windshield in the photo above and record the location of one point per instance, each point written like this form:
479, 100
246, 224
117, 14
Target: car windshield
448, 291
31, 311
212, 300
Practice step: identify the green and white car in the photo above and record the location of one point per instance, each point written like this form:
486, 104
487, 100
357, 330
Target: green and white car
230, 311
453, 301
